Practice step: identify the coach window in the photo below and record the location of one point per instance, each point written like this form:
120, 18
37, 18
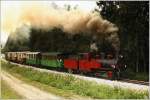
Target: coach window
81, 56
102, 55
97, 57
22, 55
48, 57
35, 56
45, 57
30, 56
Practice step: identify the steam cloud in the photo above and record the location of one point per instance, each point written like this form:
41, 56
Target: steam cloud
73, 22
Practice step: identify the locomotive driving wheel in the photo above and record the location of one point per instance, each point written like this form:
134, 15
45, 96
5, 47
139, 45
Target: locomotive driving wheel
81, 73
116, 74
70, 71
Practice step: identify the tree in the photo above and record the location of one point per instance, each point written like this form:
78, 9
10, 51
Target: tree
132, 18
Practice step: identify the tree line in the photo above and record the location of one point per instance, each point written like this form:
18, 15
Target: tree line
132, 18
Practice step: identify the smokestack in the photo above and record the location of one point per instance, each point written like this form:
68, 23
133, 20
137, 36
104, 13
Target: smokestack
93, 47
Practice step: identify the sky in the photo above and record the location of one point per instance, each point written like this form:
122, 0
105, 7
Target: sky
13, 7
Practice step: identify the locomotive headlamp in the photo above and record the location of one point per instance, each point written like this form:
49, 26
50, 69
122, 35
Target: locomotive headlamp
113, 66
125, 66
120, 56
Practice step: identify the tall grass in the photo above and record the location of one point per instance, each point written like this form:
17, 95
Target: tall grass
77, 86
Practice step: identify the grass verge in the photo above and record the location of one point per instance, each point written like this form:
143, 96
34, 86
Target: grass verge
7, 92
141, 76
71, 85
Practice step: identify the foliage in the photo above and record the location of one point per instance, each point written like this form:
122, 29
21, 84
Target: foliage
55, 39
132, 18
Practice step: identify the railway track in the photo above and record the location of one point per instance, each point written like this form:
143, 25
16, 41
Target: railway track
129, 81
135, 82
124, 80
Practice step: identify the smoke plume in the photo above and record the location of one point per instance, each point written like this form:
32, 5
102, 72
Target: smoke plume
74, 21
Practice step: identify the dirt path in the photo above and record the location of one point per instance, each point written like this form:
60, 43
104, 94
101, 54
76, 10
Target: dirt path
27, 91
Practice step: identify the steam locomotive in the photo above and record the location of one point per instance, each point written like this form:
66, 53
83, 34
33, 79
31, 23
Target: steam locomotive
99, 65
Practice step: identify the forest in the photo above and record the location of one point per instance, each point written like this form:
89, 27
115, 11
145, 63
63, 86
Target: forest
131, 17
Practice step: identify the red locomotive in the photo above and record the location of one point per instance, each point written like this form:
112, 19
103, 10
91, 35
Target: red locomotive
99, 65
